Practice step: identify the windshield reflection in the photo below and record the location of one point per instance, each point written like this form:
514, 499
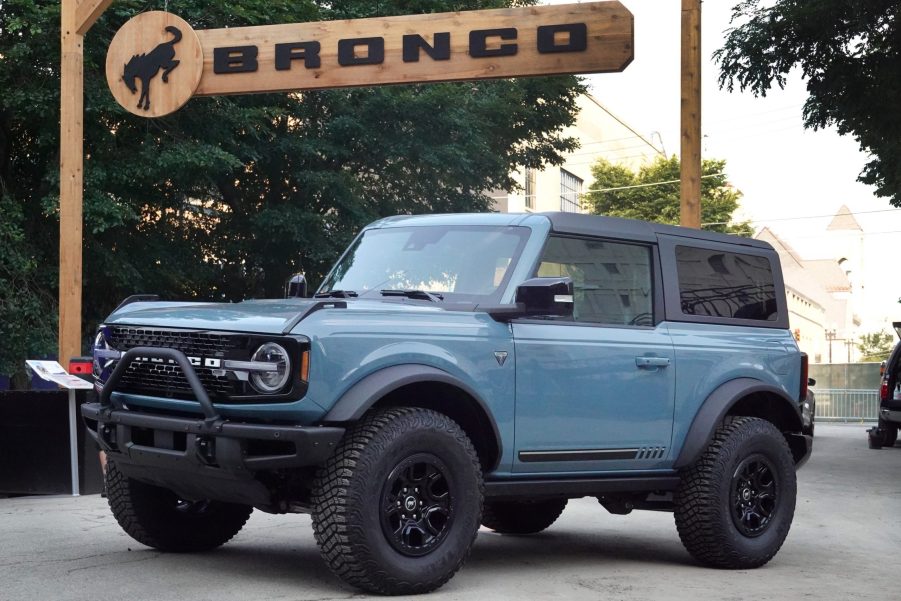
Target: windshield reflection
461, 263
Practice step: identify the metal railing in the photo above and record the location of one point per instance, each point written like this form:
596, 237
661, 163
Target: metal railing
844, 405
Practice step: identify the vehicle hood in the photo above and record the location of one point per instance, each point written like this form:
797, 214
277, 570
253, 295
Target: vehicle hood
259, 316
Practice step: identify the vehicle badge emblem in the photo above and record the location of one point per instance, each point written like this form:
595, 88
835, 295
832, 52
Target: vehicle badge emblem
501, 357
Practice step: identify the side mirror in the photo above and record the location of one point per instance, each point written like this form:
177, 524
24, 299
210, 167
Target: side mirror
546, 296
296, 287
811, 382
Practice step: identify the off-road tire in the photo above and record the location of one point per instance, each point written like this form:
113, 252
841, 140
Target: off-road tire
156, 517
885, 436
704, 501
521, 517
875, 438
349, 508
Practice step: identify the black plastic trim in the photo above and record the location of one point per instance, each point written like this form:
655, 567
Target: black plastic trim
365, 393
578, 455
312, 445
137, 298
714, 410
325, 304
578, 487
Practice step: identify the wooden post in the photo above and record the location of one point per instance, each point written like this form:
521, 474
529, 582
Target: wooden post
71, 144
75, 20
690, 212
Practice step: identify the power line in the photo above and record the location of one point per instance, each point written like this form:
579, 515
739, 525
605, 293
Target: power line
804, 217
672, 181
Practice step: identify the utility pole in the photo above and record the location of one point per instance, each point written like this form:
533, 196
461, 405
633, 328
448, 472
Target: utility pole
76, 18
690, 174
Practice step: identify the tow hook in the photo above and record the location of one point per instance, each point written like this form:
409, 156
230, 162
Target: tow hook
206, 449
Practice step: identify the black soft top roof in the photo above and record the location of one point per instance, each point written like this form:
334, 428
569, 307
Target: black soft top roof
615, 227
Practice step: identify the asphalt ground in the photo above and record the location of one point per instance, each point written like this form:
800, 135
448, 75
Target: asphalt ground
845, 543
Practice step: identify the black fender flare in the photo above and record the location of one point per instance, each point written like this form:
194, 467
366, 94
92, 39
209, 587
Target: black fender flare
360, 397
715, 408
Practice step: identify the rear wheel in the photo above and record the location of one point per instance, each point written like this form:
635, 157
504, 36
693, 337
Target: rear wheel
890, 433
396, 508
158, 518
521, 517
734, 507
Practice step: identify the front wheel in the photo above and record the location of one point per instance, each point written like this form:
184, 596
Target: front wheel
396, 508
735, 505
158, 518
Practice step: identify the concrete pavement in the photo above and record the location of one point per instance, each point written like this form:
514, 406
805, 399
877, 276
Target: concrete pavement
845, 542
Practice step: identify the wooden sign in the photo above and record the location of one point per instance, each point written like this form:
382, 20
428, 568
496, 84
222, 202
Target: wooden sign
594, 37
154, 64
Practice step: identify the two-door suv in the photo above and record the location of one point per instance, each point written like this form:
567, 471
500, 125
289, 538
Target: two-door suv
458, 370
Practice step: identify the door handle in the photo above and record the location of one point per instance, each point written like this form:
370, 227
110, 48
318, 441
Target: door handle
651, 362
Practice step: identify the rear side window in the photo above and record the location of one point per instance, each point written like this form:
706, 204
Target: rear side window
715, 283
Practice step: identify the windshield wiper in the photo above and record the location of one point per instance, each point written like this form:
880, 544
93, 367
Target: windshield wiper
336, 294
414, 294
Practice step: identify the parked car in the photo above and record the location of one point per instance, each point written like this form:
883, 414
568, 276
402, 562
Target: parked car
458, 370
885, 434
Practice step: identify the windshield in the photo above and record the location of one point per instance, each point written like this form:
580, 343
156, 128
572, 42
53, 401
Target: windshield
459, 263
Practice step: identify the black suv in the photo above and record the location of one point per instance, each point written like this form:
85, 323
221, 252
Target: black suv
886, 431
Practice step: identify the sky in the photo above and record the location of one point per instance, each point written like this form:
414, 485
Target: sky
793, 180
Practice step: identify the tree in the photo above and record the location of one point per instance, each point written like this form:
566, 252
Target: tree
849, 52
652, 194
876, 346
230, 195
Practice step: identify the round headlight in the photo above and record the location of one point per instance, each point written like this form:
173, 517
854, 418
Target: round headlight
269, 382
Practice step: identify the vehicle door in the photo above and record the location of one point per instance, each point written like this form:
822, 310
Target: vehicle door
595, 392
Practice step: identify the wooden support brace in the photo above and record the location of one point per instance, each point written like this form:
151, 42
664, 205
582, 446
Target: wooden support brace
87, 12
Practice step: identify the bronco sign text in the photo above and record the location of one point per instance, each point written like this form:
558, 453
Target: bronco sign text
593, 37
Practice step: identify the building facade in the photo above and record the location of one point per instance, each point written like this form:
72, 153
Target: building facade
821, 301
560, 188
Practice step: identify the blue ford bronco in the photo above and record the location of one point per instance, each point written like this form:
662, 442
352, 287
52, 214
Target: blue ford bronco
454, 371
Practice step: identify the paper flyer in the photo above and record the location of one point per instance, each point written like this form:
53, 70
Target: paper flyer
54, 372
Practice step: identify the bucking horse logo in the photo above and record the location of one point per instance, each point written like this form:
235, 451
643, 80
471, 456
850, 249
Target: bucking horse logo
146, 66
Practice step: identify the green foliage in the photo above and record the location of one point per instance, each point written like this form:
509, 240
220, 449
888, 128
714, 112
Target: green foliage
230, 195
849, 52
661, 203
876, 346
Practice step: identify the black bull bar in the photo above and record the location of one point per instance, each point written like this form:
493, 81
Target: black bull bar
209, 457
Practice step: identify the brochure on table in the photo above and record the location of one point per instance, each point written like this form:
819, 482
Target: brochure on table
54, 372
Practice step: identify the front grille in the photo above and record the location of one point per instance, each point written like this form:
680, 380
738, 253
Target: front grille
157, 377
167, 378
193, 344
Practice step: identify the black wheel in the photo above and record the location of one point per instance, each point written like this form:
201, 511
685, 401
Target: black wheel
885, 435
734, 507
889, 433
158, 518
875, 438
521, 517
396, 508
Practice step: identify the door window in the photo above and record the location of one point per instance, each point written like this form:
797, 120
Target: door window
611, 280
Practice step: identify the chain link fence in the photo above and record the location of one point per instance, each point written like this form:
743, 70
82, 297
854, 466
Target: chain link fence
847, 405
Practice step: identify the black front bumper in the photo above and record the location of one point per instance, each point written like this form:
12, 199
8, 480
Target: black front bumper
184, 443
201, 457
